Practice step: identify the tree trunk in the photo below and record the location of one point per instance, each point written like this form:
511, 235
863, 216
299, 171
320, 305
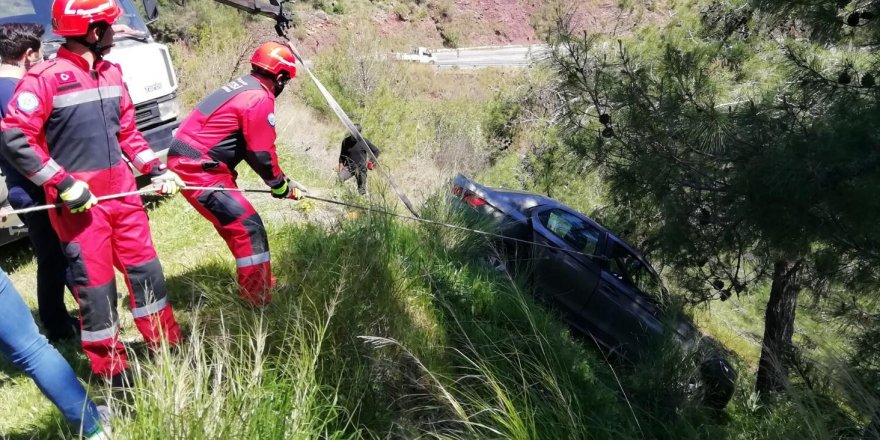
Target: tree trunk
777, 349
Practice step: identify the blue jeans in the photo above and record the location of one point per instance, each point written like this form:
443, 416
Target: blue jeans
23, 345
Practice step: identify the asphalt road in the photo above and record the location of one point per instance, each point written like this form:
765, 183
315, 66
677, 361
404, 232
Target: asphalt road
481, 57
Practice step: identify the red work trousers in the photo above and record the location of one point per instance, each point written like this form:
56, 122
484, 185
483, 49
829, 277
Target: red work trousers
114, 233
236, 221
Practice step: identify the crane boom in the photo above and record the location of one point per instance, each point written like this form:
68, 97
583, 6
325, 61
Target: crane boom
267, 9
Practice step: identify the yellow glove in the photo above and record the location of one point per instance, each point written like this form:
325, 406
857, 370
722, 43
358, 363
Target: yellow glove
78, 197
167, 183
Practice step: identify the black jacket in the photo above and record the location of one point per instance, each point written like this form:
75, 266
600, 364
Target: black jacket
355, 152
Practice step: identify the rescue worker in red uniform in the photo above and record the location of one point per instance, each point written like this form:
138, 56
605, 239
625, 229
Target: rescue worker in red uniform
69, 124
237, 123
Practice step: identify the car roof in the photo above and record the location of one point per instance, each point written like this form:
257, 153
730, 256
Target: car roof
526, 200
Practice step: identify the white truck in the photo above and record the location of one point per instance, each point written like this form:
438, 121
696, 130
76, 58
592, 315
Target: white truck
146, 67
418, 55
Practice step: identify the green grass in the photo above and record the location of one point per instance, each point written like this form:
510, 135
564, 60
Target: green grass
739, 324
380, 329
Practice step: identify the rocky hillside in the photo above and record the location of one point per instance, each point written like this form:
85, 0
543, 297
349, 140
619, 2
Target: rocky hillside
459, 23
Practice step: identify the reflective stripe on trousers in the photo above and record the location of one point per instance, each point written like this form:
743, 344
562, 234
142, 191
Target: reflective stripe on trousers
100, 335
253, 260
149, 309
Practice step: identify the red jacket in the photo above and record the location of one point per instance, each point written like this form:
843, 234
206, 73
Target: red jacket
68, 121
234, 123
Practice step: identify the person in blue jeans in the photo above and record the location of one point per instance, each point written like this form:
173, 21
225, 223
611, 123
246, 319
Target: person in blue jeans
23, 345
21, 48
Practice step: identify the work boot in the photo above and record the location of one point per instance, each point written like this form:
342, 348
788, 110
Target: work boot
68, 329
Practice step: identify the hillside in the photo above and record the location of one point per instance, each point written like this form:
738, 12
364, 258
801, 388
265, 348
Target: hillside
461, 23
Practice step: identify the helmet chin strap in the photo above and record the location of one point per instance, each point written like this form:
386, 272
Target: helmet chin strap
278, 85
95, 47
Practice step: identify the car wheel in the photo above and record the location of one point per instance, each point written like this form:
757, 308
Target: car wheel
718, 382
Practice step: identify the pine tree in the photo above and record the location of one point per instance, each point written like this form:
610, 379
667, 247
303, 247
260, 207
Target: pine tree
742, 141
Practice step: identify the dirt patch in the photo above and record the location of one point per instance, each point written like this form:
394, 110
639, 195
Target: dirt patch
403, 32
317, 32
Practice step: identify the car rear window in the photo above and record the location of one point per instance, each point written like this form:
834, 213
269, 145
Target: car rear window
573, 230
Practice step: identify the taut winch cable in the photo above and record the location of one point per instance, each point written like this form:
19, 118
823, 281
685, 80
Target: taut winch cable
282, 24
346, 121
140, 192
152, 190
400, 216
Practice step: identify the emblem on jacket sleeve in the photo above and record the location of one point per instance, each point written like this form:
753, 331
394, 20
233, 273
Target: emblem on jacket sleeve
272, 119
27, 102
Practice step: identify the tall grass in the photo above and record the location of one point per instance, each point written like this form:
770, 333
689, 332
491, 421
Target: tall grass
383, 329
232, 383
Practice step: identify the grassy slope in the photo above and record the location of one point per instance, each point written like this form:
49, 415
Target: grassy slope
454, 348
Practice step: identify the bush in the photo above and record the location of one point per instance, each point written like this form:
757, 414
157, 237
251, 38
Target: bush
198, 22
209, 43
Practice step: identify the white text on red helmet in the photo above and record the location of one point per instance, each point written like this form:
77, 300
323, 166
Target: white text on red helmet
100, 8
274, 54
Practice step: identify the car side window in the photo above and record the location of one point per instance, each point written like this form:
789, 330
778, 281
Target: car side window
625, 266
579, 234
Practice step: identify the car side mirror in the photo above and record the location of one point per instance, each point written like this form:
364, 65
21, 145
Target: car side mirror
151, 10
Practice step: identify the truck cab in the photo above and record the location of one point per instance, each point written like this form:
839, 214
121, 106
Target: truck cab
146, 69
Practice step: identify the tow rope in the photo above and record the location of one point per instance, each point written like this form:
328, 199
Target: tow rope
152, 190
31, 209
343, 117
400, 216
282, 24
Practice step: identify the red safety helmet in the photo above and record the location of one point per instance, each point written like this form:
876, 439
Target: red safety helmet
71, 18
275, 58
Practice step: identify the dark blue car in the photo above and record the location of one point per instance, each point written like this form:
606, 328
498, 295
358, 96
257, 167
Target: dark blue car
600, 285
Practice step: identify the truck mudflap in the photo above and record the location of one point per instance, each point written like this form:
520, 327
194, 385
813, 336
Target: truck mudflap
160, 138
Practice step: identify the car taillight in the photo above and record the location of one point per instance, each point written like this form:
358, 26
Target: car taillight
474, 200
469, 197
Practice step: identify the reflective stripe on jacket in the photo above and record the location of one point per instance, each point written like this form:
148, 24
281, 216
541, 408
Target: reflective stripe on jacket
67, 119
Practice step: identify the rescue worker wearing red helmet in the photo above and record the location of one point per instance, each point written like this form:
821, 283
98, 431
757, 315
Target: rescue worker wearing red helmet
237, 123
68, 126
